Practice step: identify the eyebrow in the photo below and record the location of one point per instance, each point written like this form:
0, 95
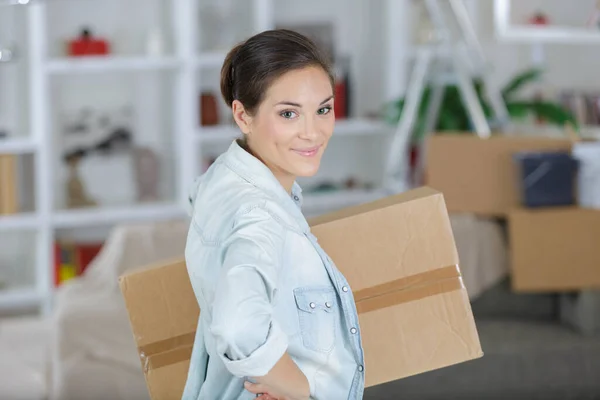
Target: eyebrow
290, 103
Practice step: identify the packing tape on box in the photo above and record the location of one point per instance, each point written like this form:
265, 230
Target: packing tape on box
411, 288
167, 352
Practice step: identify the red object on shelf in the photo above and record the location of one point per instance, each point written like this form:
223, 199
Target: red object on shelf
72, 259
87, 45
339, 105
539, 18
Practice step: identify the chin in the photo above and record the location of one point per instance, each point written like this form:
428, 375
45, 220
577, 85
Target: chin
307, 171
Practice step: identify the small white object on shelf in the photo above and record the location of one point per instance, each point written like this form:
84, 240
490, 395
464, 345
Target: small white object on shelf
109, 63
19, 298
155, 43
343, 127
17, 146
20, 221
110, 215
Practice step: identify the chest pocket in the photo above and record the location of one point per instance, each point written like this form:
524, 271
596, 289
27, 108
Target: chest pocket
317, 313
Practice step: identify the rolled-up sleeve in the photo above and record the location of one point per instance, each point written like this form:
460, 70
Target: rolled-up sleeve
248, 339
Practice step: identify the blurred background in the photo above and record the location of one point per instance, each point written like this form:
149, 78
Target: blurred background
110, 108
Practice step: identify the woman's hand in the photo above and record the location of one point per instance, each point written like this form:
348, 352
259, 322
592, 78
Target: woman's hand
266, 393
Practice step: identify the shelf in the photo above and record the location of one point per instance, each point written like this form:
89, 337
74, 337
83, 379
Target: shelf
343, 127
333, 200
564, 35
112, 215
21, 221
17, 146
109, 63
360, 126
589, 132
210, 60
19, 298
217, 133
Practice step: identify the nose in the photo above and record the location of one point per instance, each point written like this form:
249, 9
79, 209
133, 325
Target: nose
309, 129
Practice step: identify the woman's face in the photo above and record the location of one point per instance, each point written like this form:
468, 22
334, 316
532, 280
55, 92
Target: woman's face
292, 126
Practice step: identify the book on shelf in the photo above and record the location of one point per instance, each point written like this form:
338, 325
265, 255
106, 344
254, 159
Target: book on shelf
585, 107
9, 202
71, 259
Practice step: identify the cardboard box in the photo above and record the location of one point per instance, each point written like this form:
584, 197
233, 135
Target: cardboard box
479, 175
163, 312
555, 249
399, 256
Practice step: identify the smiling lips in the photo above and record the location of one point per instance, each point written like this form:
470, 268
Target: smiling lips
310, 152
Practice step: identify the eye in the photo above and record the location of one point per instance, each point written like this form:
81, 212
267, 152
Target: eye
324, 110
288, 114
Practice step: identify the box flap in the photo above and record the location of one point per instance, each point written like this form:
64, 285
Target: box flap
163, 312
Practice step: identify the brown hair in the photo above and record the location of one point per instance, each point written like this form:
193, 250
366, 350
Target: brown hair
252, 66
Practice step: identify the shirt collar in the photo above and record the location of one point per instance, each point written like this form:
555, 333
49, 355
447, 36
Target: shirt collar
258, 174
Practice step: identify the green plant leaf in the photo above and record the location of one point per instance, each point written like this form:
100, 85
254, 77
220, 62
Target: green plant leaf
550, 112
518, 110
516, 83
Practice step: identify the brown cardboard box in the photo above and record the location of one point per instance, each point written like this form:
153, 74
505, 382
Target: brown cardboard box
163, 312
398, 254
555, 249
479, 175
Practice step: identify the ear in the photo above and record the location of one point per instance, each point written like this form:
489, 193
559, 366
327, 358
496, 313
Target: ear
241, 117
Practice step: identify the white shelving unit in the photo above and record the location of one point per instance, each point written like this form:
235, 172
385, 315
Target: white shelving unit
19, 298
189, 139
18, 146
111, 64
22, 221
508, 32
112, 215
351, 127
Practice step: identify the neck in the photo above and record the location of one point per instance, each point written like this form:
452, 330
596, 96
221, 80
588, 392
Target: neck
285, 180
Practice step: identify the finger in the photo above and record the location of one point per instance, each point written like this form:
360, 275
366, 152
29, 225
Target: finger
255, 388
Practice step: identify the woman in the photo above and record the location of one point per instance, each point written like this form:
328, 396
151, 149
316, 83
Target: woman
278, 320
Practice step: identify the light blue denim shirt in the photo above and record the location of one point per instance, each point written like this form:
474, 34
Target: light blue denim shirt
264, 287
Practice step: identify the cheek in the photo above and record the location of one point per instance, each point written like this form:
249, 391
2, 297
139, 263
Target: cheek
326, 127
280, 131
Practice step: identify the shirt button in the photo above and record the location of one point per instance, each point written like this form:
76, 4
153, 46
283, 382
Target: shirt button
328, 304
353, 330
344, 289
296, 198
312, 305
361, 368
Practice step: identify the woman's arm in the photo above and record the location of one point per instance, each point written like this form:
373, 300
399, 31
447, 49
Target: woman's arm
284, 381
250, 342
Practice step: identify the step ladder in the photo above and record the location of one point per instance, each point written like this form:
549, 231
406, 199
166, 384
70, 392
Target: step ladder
460, 51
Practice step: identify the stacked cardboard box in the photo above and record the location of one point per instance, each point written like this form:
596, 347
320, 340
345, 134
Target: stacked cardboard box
552, 249
398, 255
